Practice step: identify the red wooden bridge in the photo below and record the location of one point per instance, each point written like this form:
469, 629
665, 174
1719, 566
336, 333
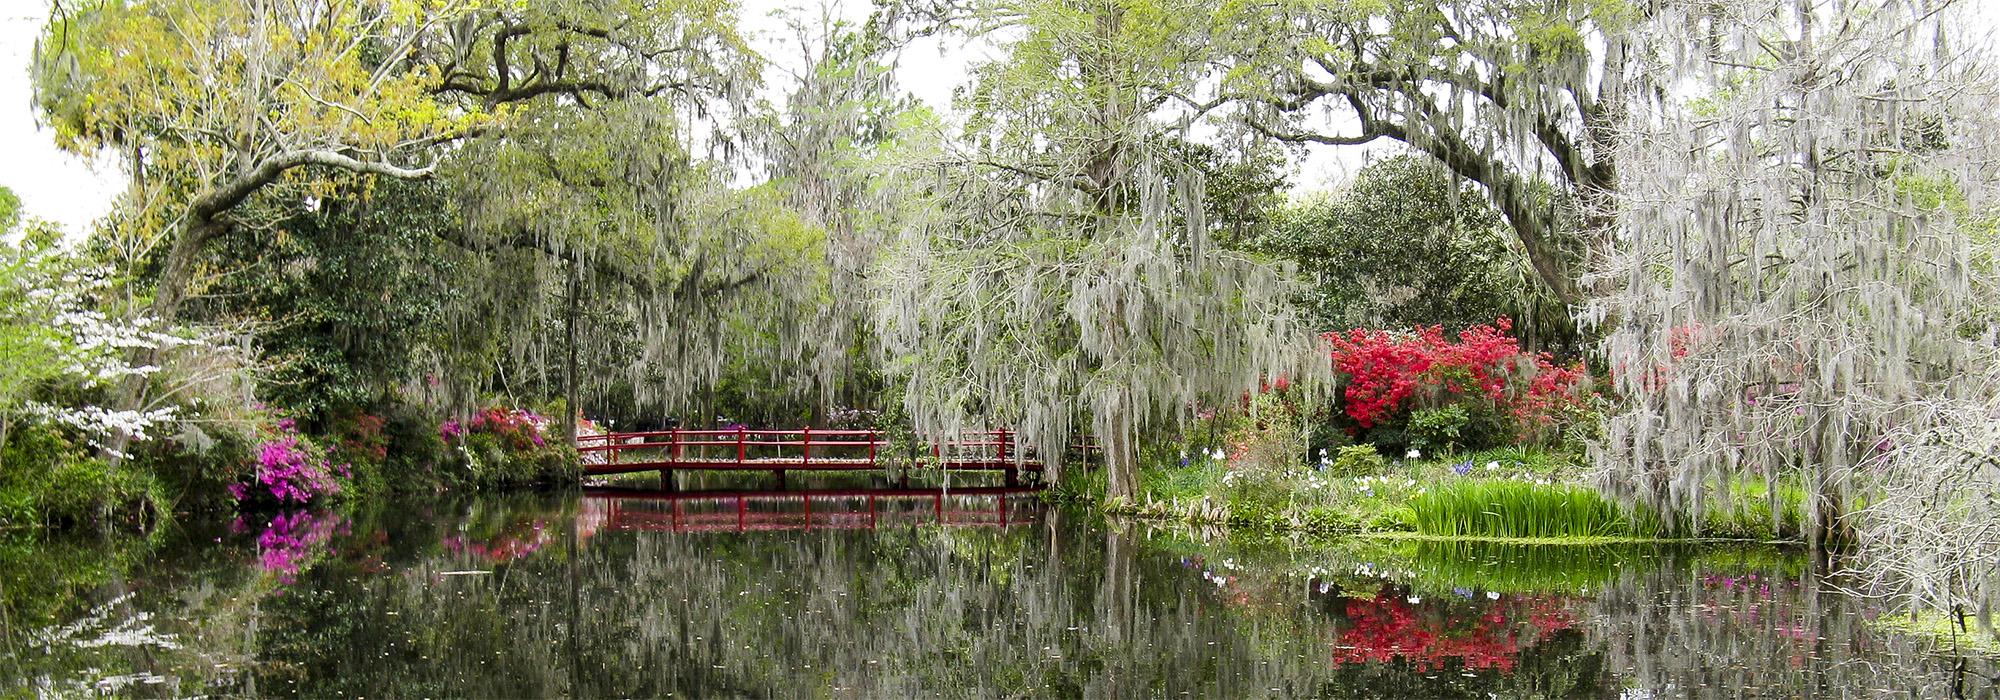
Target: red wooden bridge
805, 449
824, 509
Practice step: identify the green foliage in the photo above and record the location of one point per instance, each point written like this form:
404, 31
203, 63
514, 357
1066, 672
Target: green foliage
352, 292
1522, 509
1745, 512
1437, 567
1409, 244
10, 210
1358, 460
51, 482
1438, 429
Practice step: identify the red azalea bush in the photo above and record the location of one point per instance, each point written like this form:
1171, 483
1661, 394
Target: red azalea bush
1389, 374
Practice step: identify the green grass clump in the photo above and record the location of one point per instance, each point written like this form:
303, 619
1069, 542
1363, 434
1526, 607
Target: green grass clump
1747, 513
1522, 509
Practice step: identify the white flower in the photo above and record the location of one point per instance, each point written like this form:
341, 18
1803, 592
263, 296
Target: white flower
1490, 466
1409, 483
1218, 454
1415, 600
1492, 595
1414, 453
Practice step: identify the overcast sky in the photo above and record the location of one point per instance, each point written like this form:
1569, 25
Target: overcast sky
74, 191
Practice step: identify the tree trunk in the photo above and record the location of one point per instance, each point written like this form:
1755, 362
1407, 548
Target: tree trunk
1121, 457
569, 361
169, 292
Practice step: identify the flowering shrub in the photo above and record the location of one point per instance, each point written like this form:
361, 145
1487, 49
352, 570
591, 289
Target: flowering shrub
1390, 373
502, 445
518, 428
290, 468
362, 437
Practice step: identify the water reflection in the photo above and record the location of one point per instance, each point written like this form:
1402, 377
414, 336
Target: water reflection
915, 593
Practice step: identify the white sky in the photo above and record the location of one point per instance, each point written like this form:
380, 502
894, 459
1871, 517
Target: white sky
73, 191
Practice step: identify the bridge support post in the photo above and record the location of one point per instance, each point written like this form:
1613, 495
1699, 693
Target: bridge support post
780, 474
668, 482
1013, 475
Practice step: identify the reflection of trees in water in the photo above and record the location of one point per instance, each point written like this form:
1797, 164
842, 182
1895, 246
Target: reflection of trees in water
1041, 610
1730, 624
1061, 608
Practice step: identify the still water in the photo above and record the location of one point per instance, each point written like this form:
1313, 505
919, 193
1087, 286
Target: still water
916, 595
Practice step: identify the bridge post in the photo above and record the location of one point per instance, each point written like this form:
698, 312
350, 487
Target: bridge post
677, 444
742, 452
667, 482
806, 446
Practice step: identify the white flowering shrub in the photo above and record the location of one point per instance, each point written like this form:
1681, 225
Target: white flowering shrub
62, 355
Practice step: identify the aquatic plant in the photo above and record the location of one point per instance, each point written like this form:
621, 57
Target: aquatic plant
1524, 509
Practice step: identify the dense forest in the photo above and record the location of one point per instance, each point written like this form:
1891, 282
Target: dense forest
1607, 268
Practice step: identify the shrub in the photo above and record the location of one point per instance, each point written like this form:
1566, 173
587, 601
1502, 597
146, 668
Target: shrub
1358, 460
51, 481
1501, 393
499, 446
1437, 429
289, 469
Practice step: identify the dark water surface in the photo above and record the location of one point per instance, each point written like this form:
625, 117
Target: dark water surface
584, 595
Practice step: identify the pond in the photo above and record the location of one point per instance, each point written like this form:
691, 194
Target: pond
909, 594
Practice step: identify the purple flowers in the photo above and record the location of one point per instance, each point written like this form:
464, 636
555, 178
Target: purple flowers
292, 472
290, 540
292, 469
1462, 468
451, 430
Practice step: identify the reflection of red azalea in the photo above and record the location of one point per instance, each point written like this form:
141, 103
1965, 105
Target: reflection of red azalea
516, 542
1388, 627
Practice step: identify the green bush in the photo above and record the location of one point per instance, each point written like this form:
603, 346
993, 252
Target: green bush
1358, 460
52, 482
1437, 429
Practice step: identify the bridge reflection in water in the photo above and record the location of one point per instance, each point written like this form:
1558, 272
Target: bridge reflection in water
818, 509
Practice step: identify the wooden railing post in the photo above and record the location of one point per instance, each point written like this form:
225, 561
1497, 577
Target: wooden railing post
806, 447
742, 452
677, 444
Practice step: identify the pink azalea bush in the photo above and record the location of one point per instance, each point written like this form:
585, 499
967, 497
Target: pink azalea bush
290, 468
500, 445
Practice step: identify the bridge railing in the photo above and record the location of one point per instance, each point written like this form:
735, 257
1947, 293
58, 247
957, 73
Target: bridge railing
804, 448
